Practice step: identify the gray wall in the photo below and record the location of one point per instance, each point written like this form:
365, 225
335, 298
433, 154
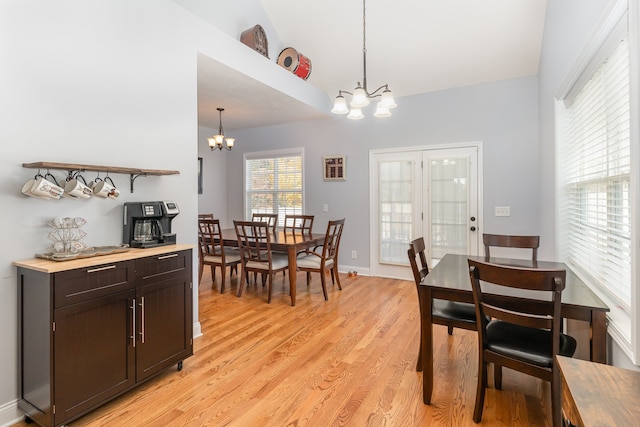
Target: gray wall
503, 115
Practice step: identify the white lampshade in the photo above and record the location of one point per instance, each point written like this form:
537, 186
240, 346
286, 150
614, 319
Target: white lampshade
355, 114
387, 100
212, 143
340, 105
360, 98
230, 142
382, 111
218, 139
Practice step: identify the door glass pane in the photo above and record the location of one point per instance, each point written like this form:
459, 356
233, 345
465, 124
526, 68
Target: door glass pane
449, 206
396, 186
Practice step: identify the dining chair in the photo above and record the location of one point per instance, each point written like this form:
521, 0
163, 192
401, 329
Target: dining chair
269, 218
327, 259
508, 241
448, 313
522, 335
205, 216
254, 242
302, 224
215, 254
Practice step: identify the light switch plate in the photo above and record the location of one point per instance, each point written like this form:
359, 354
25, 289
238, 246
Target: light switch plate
503, 210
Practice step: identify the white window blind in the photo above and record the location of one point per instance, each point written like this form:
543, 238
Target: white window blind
594, 172
273, 184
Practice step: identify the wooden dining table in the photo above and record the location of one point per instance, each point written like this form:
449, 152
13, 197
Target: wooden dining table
282, 241
449, 280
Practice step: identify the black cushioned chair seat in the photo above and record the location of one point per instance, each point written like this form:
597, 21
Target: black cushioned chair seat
526, 344
458, 311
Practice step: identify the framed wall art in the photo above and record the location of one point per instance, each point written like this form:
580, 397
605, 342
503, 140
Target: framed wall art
334, 168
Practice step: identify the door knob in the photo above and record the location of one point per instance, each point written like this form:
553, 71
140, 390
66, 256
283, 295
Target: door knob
473, 218
473, 229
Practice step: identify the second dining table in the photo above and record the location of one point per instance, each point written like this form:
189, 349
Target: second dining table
282, 241
449, 280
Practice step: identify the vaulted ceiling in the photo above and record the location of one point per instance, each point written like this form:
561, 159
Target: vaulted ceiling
414, 46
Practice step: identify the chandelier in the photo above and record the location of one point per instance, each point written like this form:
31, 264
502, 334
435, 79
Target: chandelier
217, 140
361, 95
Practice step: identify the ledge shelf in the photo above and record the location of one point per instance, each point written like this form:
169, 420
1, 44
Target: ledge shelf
72, 167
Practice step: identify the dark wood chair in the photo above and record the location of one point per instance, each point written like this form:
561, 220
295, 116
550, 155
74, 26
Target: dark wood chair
448, 313
507, 241
254, 242
327, 259
269, 218
522, 335
215, 254
205, 216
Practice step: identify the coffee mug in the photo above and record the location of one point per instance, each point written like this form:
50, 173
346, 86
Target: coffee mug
104, 189
76, 189
26, 189
44, 188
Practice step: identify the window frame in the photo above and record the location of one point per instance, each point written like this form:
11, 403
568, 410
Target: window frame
623, 325
272, 154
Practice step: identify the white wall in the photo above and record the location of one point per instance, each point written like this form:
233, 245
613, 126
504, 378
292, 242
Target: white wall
103, 82
503, 115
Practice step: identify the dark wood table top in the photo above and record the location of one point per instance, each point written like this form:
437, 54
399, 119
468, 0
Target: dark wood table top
451, 274
279, 239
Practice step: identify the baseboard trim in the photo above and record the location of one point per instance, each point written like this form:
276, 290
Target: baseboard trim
10, 414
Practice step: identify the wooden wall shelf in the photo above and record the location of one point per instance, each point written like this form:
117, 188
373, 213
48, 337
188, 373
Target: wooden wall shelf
73, 167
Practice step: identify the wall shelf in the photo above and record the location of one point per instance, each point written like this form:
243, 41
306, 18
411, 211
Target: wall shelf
133, 173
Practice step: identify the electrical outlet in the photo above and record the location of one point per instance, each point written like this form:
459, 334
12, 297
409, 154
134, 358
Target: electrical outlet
503, 210
325, 208
354, 255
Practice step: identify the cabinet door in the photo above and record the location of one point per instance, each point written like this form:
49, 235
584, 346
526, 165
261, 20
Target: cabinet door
93, 353
164, 299
164, 326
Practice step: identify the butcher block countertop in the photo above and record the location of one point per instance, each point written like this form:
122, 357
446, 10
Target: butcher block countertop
47, 266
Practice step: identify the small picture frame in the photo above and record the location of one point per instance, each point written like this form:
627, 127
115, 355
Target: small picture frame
334, 168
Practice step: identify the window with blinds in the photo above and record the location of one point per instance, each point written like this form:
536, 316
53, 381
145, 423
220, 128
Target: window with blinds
273, 183
594, 174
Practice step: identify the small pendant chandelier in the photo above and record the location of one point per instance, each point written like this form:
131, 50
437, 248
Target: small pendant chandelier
217, 140
361, 95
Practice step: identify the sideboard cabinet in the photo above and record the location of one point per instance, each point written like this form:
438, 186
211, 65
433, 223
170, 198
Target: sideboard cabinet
89, 334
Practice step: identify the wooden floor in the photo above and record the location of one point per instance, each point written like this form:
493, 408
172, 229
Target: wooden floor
349, 361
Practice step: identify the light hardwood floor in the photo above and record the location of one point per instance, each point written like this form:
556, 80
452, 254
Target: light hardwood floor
349, 361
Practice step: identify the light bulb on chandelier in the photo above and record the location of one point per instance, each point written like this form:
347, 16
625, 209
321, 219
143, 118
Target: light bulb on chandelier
360, 97
217, 140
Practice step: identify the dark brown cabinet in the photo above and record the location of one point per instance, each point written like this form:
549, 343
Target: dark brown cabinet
89, 334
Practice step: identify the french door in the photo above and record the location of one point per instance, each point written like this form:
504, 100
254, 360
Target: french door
433, 193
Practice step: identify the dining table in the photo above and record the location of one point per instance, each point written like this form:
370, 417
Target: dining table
449, 280
282, 241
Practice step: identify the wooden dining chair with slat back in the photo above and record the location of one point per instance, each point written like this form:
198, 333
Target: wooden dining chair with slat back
448, 313
301, 224
509, 241
254, 242
270, 218
326, 259
522, 335
213, 252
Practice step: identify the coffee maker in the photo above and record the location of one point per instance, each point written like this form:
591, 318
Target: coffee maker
148, 224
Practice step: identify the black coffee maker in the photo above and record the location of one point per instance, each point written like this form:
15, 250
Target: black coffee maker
148, 224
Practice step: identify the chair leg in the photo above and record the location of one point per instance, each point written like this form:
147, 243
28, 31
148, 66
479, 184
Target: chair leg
308, 278
241, 282
497, 376
323, 280
482, 384
333, 279
450, 329
213, 274
269, 289
223, 272
201, 267
335, 267
419, 362
555, 398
